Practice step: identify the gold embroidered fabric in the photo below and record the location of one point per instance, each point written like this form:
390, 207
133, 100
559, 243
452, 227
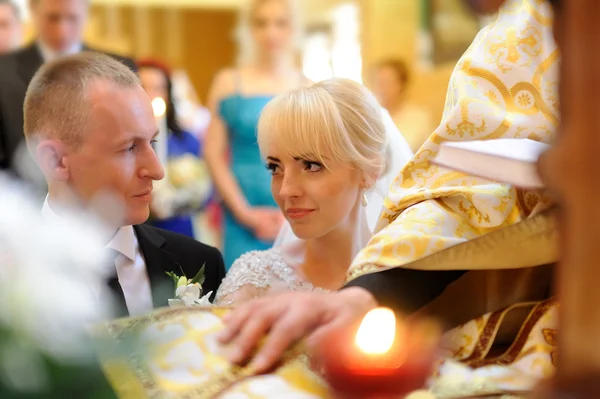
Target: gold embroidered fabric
174, 353
519, 366
505, 86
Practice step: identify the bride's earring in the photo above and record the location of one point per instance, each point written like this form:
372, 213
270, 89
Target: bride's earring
365, 200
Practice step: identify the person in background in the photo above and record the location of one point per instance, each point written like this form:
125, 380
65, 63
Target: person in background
186, 187
390, 85
11, 28
238, 95
192, 115
59, 26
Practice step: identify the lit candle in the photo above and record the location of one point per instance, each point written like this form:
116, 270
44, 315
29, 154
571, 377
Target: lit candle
383, 358
160, 113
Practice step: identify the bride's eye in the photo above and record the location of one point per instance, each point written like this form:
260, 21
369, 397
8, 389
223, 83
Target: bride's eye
273, 167
312, 166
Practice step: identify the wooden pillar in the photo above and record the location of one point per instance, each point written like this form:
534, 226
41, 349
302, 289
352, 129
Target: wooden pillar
573, 170
142, 31
389, 29
174, 33
112, 13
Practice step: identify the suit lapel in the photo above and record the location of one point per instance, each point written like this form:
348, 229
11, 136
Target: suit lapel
158, 263
118, 296
29, 61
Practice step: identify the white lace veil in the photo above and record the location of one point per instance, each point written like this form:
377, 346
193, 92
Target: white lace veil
398, 155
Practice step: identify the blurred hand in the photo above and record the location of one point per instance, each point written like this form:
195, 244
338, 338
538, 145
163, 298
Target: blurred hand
265, 222
287, 318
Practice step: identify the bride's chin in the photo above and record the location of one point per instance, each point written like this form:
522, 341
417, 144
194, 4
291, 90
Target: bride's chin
303, 232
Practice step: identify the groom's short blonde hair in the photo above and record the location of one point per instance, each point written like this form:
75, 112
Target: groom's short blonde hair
56, 104
335, 119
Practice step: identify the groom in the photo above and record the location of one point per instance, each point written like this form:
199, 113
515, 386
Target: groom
90, 127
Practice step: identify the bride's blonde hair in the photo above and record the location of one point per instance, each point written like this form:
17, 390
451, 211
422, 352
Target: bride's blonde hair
335, 119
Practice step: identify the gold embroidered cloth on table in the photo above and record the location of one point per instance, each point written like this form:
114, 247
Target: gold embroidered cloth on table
505, 86
173, 353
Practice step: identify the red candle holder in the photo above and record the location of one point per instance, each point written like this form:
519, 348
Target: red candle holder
404, 367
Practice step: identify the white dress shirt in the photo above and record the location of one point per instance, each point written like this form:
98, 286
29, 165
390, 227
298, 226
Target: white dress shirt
50, 55
129, 263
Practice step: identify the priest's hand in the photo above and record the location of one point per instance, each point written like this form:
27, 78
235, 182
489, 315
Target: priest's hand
288, 318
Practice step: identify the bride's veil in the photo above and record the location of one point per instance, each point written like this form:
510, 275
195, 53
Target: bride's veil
398, 155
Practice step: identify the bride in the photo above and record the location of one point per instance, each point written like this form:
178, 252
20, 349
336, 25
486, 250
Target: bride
332, 152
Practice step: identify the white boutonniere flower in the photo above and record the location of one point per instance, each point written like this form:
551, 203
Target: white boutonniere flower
188, 291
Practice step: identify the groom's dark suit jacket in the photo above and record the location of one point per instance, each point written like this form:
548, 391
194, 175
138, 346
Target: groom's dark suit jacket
16, 70
165, 251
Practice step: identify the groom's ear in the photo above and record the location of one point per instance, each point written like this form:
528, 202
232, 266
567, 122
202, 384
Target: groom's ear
50, 155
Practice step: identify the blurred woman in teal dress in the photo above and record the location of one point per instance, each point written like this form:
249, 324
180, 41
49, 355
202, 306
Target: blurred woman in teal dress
268, 36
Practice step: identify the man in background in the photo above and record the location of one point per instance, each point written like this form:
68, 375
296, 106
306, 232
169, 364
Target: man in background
11, 29
59, 27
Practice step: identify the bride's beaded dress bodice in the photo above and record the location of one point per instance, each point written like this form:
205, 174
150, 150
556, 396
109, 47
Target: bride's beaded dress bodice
257, 273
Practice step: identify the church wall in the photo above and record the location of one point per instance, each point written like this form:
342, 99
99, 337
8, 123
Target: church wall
197, 36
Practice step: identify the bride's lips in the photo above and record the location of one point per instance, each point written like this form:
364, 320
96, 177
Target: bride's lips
298, 213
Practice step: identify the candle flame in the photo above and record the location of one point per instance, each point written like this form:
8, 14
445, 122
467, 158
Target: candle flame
159, 107
377, 331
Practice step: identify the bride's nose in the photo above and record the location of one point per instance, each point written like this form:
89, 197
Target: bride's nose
290, 187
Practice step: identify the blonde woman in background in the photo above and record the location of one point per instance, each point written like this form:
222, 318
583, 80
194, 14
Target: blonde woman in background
269, 34
390, 85
327, 148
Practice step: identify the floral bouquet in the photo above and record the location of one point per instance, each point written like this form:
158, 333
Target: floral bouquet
187, 170
185, 189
